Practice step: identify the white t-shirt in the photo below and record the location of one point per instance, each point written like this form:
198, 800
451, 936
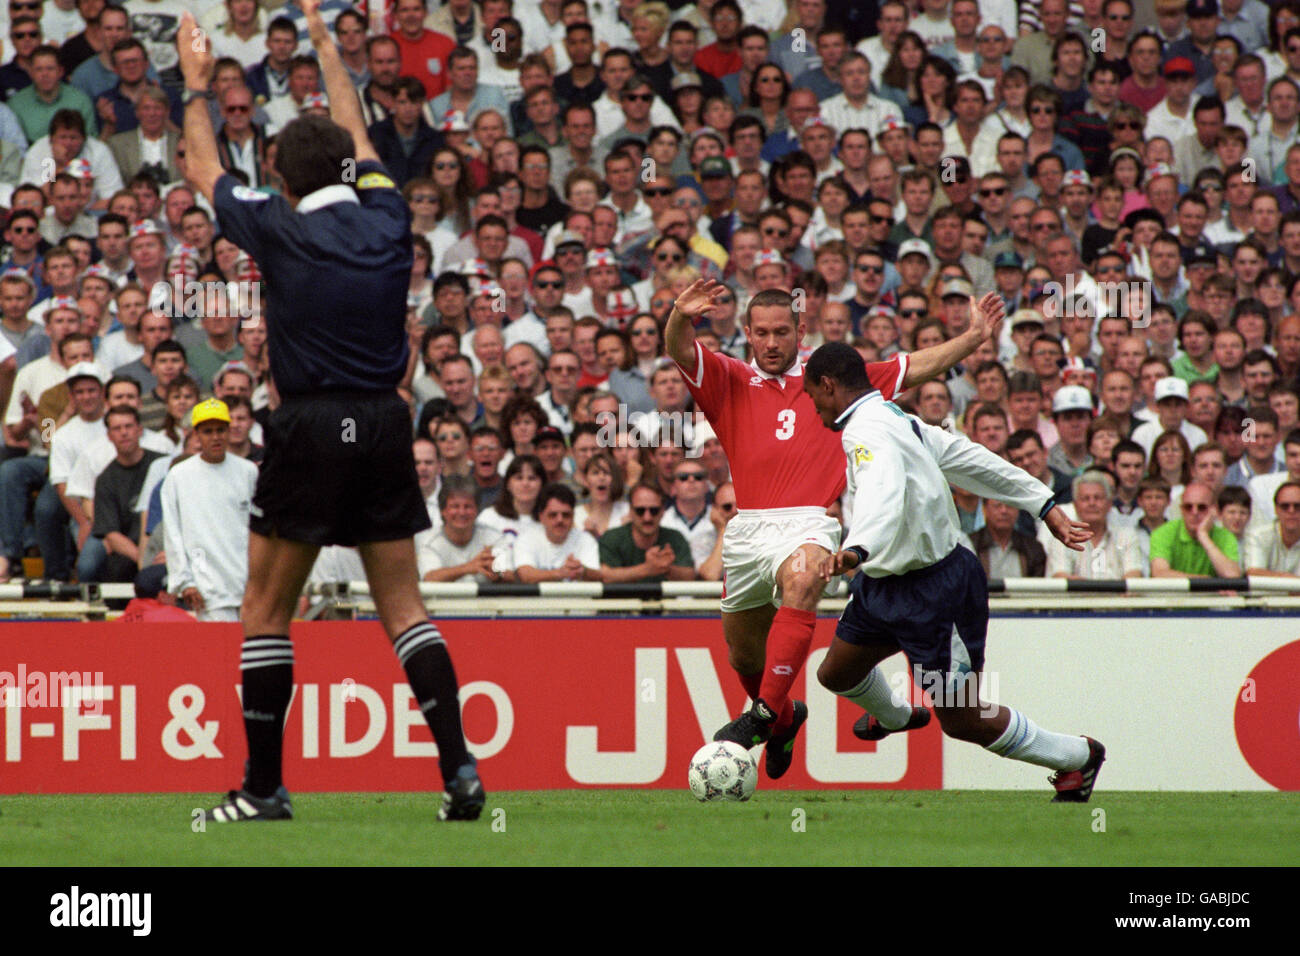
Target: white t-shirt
71, 439
205, 526
536, 550
96, 456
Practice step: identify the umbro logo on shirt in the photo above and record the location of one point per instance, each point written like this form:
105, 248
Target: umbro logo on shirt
756, 380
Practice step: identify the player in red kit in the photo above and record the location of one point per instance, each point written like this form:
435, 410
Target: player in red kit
787, 470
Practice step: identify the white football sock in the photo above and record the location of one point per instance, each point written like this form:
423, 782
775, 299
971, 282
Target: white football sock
1025, 740
875, 696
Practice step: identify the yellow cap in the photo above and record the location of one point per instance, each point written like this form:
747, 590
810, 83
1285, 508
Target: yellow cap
213, 410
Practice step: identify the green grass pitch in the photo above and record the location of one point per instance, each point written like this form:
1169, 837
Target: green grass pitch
647, 828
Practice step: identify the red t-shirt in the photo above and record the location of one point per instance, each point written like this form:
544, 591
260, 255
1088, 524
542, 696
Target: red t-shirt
781, 454
1145, 100
426, 59
716, 63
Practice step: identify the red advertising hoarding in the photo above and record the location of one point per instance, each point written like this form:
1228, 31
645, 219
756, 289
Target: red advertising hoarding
554, 703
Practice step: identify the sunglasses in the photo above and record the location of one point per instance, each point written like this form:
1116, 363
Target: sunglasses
688, 204
779, 233
25, 35
645, 331
18, 231
446, 165
1127, 124
996, 191
549, 284
657, 191
571, 251
1288, 506
911, 313
874, 270
1042, 226
638, 97
424, 199
646, 510
564, 369
691, 476
1043, 109
237, 108
1196, 509
669, 257
1211, 188
882, 220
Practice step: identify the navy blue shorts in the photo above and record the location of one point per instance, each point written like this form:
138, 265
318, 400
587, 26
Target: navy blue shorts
938, 616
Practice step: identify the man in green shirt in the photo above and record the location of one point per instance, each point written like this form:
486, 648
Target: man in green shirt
1192, 546
36, 105
641, 550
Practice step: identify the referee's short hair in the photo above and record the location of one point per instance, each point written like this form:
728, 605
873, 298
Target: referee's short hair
839, 362
312, 153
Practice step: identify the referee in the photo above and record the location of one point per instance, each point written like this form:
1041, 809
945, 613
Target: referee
336, 253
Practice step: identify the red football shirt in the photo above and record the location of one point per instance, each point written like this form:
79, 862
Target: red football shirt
426, 59
716, 63
781, 454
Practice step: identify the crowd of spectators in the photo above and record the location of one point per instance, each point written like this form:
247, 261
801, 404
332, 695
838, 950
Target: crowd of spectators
1126, 176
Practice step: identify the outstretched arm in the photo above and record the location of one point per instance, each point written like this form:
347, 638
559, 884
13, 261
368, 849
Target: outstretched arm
203, 165
985, 320
345, 108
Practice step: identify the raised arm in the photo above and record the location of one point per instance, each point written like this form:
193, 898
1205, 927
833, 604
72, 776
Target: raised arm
697, 300
202, 163
345, 108
985, 320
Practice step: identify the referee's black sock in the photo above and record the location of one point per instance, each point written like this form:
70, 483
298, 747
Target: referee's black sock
428, 667
266, 666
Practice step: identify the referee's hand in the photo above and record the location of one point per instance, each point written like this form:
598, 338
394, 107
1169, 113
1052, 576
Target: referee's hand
841, 562
1073, 534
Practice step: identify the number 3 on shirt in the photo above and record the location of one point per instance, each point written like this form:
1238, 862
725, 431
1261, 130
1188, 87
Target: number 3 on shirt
786, 419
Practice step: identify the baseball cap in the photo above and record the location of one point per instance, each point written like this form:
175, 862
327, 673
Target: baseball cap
212, 410
1160, 169
1202, 252
97, 271
1008, 260
715, 167
86, 370
1171, 386
684, 81
1072, 398
815, 120
957, 287
475, 267
61, 302
549, 433
1076, 177
1026, 317
702, 433
453, 121
314, 101
1078, 364
570, 238
1181, 64
915, 247
1202, 8
79, 169
891, 124
13, 272
144, 227
601, 257
768, 257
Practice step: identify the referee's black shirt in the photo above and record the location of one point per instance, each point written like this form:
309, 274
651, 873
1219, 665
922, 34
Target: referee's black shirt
337, 270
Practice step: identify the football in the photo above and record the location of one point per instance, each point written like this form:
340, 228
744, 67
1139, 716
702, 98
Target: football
722, 771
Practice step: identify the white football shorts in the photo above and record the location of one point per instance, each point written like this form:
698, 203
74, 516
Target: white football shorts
756, 544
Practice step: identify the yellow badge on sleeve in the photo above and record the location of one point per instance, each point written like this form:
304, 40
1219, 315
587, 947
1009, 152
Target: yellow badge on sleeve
375, 181
860, 455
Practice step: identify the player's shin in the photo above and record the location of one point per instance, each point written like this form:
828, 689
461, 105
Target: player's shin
423, 655
1025, 740
876, 697
787, 649
266, 670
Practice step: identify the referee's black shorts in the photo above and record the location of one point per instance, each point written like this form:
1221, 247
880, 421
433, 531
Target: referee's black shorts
339, 470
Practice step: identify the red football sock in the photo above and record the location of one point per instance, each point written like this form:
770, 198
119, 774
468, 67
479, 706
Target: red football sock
787, 649
751, 683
